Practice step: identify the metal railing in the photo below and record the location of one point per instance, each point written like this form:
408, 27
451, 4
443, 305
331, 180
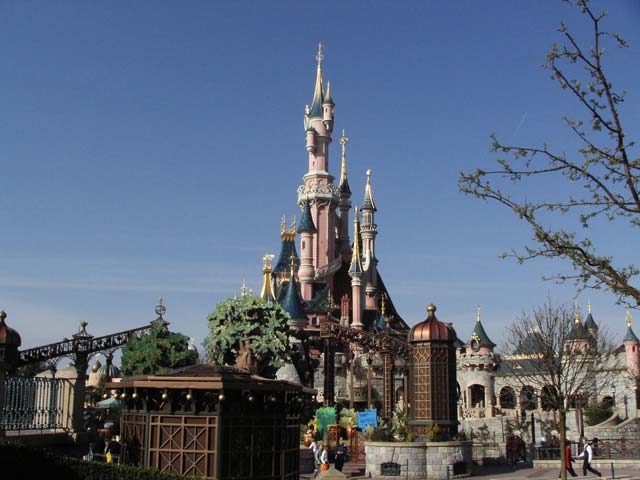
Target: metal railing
37, 403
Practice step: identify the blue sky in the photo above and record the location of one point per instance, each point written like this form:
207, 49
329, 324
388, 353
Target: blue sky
150, 148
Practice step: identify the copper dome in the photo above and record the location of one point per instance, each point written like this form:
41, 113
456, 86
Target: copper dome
8, 336
432, 329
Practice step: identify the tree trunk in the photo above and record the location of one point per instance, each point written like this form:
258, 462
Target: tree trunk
563, 441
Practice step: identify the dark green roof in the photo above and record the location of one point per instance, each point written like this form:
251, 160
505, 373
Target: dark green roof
318, 97
483, 338
630, 336
291, 302
590, 324
367, 202
287, 249
306, 222
344, 187
327, 98
578, 332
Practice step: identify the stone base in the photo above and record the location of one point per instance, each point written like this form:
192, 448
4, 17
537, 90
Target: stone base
418, 460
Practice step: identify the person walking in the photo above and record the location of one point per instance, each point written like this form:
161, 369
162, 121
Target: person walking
587, 456
317, 452
568, 460
324, 459
341, 455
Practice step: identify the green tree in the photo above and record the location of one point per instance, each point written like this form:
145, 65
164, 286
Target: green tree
249, 332
601, 178
157, 351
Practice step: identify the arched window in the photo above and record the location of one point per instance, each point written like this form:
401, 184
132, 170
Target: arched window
548, 398
477, 396
507, 398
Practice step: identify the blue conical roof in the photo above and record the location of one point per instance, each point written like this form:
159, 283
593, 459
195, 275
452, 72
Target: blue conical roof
306, 222
287, 249
630, 337
482, 337
318, 95
590, 323
291, 302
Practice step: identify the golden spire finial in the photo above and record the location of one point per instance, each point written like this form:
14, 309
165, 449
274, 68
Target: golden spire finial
267, 264
293, 226
283, 224
589, 307
382, 306
628, 318
243, 290
369, 176
478, 316
292, 259
577, 317
320, 55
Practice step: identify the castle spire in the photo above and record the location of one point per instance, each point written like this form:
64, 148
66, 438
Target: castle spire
356, 262
291, 302
368, 203
318, 93
478, 316
267, 292
630, 337
344, 183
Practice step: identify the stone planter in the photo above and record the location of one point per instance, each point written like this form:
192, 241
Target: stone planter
418, 460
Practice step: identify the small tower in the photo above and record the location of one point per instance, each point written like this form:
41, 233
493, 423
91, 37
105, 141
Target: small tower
267, 268
369, 231
479, 342
579, 338
345, 202
590, 324
327, 108
291, 302
632, 349
432, 377
307, 272
355, 272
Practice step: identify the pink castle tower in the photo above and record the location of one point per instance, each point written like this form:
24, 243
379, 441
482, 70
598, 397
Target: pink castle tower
356, 274
632, 349
318, 188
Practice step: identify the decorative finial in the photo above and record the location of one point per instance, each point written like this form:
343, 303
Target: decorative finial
292, 259
267, 262
589, 307
320, 55
431, 309
369, 176
251, 292
330, 304
628, 317
293, 225
577, 317
3, 315
382, 306
283, 224
243, 290
478, 317
160, 308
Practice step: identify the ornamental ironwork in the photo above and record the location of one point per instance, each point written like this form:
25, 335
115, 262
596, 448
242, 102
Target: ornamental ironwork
390, 469
34, 403
376, 342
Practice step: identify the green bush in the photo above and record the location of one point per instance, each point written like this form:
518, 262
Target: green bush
597, 413
25, 463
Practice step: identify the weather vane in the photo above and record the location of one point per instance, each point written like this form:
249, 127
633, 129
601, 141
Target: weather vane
320, 55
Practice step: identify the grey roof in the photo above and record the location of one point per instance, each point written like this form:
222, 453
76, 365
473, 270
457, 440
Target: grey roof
630, 337
306, 222
291, 302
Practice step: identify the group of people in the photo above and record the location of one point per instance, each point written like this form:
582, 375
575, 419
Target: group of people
110, 448
321, 456
516, 450
587, 457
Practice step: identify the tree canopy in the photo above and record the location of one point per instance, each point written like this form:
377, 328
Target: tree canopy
249, 332
602, 177
157, 351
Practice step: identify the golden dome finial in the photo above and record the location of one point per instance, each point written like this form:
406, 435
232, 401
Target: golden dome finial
431, 309
628, 318
478, 315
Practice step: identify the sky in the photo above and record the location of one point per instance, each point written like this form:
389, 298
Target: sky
150, 149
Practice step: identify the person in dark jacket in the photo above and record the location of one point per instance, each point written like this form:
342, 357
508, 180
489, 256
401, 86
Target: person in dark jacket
341, 455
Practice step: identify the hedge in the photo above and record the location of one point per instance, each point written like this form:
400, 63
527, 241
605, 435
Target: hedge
26, 463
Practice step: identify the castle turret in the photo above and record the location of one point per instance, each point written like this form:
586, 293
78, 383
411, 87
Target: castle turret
479, 342
579, 337
307, 229
632, 349
318, 188
590, 323
355, 272
369, 232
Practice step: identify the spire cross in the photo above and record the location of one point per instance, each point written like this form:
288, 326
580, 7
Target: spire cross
320, 55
